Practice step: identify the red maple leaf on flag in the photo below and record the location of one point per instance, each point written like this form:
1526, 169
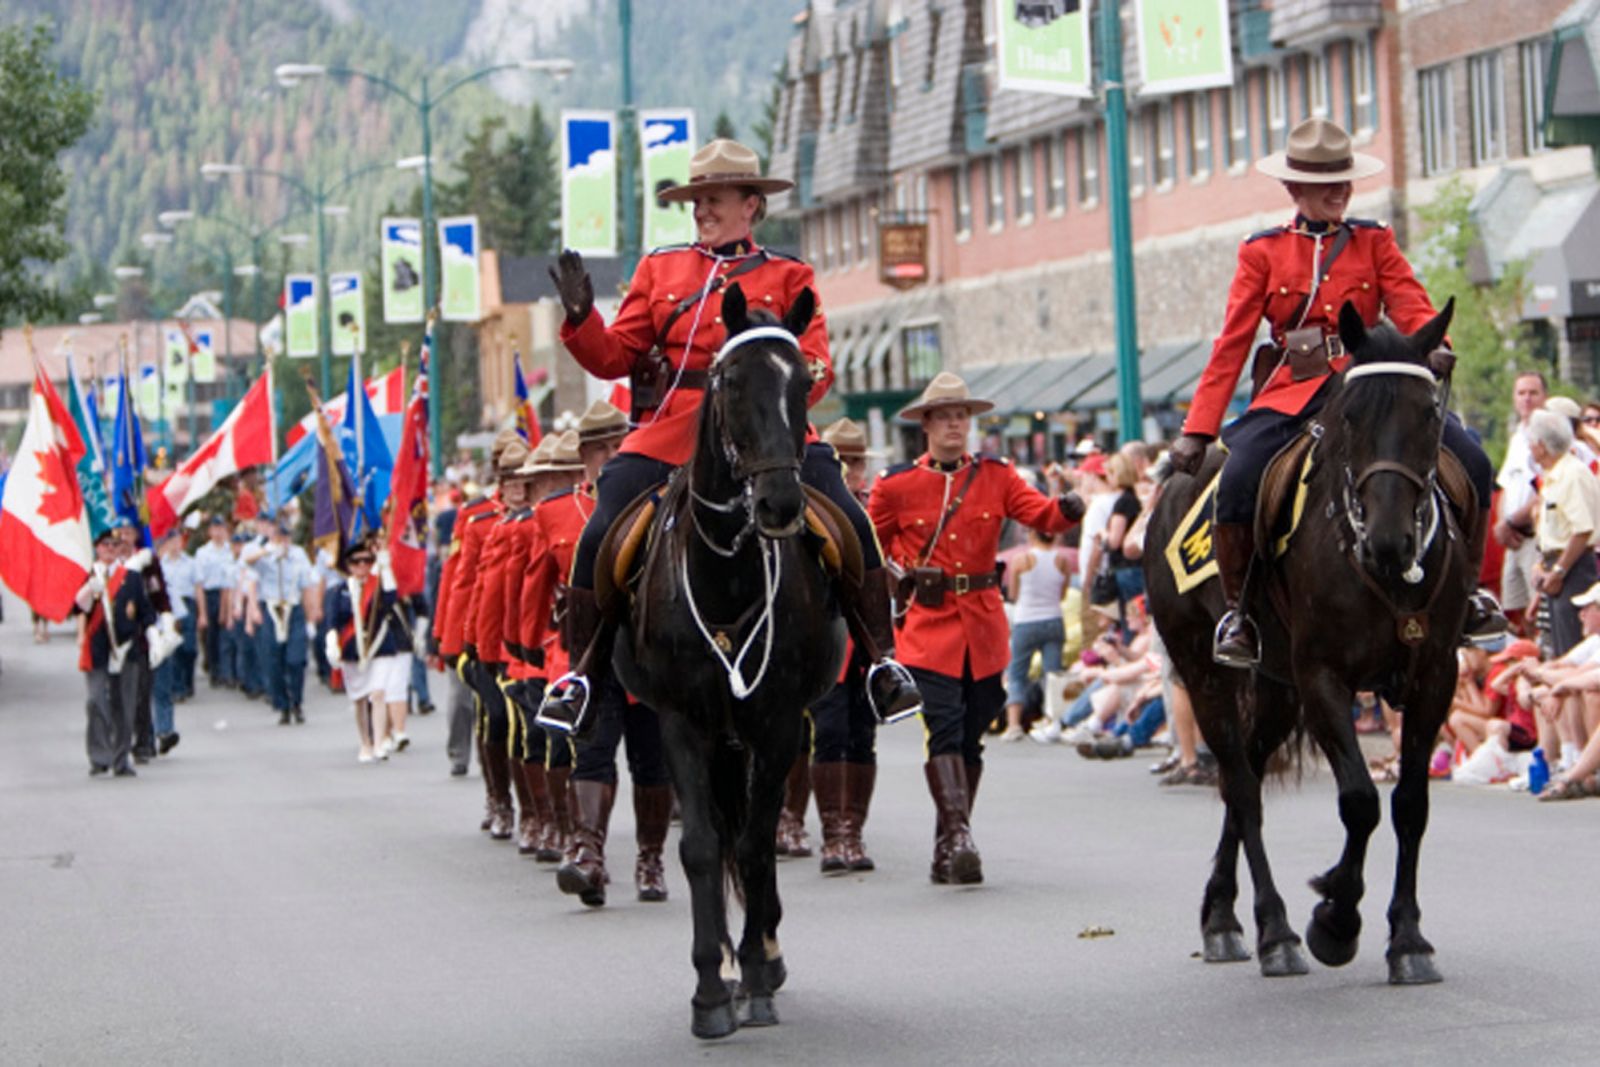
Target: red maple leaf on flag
60, 501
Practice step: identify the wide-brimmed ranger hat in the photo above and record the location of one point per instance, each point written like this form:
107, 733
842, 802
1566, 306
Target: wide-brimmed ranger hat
720, 164
535, 461
848, 439
555, 455
1319, 152
603, 421
945, 391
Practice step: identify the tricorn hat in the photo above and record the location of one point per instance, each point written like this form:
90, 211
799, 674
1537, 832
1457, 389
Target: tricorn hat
847, 438
602, 422
946, 390
1318, 151
722, 163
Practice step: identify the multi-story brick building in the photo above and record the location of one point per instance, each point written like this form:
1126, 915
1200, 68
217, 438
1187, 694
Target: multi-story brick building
888, 114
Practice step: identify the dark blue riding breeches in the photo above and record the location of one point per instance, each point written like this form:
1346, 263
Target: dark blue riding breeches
1256, 436
627, 474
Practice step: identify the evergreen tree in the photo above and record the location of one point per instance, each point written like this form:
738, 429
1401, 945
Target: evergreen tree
723, 127
42, 114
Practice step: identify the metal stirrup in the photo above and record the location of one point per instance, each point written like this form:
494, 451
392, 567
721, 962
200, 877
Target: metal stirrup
904, 676
566, 681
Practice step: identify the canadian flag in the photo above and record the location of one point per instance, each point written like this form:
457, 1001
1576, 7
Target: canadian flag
247, 438
387, 393
44, 535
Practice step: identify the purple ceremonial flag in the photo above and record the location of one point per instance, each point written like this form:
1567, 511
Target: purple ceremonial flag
334, 516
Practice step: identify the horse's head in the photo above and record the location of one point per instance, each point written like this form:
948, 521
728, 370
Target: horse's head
757, 401
1389, 416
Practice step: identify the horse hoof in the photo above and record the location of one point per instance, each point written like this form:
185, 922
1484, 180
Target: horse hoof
758, 1011
1225, 946
1413, 968
714, 1022
776, 973
1329, 948
1283, 960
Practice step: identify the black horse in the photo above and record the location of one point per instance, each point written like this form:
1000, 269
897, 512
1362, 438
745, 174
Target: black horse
1371, 593
733, 630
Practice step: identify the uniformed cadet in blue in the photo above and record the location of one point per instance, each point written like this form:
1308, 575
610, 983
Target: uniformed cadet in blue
246, 659
177, 571
215, 571
278, 617
182, 576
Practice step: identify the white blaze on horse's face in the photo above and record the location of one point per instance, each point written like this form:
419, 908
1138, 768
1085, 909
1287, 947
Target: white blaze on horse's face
785, 370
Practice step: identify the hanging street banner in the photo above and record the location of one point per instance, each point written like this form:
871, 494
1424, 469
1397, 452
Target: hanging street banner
300, 313
203, 360
147, 398
667, 137
348, 306
1043, 46
175, 356
402, 270
459, 299
589, 182
1183, 45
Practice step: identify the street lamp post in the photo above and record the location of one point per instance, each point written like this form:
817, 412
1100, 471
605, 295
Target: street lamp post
318, 196
424, 101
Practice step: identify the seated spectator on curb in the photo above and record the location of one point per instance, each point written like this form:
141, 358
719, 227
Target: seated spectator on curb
1514, 727
1566, 690
1470, 708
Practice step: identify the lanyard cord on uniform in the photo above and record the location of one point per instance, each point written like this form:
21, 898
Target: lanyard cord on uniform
1316, 279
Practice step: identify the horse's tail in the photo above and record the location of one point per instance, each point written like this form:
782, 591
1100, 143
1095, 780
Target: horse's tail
730, 798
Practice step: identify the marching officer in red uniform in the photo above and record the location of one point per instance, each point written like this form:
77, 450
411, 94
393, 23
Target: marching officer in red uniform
561, 519
473, 532
1297, 277
939, 518
664, 339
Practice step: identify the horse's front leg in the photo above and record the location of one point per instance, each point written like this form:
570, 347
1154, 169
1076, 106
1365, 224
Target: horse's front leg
1220, 930
688, 754
1277, 945
760, 960
1410, 955
1334, 932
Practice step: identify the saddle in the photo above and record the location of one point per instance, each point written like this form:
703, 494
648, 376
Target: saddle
635, 536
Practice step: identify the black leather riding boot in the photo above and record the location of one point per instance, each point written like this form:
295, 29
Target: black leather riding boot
584, 874
652, 810
588, 641
1235, 643
1486, 622
955, 856
890, 688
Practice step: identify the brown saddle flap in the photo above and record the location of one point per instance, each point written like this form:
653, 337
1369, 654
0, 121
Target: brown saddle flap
1278, 483
841, 548
619, 550
1457, 485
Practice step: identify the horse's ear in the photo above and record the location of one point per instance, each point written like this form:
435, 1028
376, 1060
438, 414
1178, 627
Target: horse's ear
800, 312
735, 312
1352, 331
1431, 336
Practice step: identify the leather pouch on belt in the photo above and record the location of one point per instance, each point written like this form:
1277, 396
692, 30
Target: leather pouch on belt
1307, 352
930, 586
647, 381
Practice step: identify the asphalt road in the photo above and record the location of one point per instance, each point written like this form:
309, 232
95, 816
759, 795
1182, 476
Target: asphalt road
258, 897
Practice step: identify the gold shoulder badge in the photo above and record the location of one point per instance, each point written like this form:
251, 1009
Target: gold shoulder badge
819, 369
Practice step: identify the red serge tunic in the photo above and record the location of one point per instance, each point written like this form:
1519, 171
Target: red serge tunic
447, 577
485, 625
663, 279
558, 522
906, 504
473, 537
1271, 282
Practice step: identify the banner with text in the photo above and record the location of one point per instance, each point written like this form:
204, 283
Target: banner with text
459, 299
1043, 46
300, 313
667, 137
589, 182
348, 305
402, 270
1183, 45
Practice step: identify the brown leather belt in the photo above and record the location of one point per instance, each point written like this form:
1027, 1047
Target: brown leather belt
691, 379
962, 584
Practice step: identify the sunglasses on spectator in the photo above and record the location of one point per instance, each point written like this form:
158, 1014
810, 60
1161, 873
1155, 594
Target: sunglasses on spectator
1591, 420
361, 559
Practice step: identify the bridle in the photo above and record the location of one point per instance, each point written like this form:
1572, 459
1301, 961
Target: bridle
1426, 515
744, 471
771, 557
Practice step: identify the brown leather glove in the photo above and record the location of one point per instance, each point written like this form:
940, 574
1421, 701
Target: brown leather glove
1072, 506
574, 286
1188, 452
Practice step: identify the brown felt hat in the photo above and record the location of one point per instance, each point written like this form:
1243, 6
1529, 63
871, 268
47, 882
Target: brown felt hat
512, 456
723, 163
502, 441
537, 458
557, 454
1318, 151
848, 439
602, 422
945, 391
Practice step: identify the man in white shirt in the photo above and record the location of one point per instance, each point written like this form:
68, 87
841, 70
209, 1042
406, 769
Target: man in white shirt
1568, 525
1514, 526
